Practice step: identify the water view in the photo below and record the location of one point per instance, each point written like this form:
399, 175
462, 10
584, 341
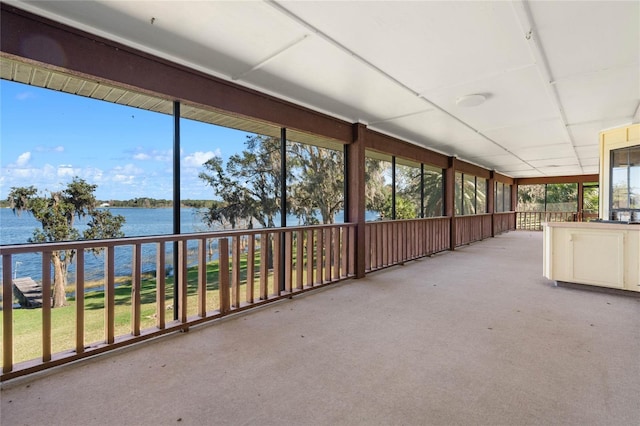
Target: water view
139, 222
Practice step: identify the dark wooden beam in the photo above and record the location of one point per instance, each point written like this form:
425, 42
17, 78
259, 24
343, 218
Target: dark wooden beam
557, 179
392, 146
472, 169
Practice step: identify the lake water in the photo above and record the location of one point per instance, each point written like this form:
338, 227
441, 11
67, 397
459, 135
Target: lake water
139, 222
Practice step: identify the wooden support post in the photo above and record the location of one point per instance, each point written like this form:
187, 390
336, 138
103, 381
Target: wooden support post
580, 201
491, 204
356, 194
449, 200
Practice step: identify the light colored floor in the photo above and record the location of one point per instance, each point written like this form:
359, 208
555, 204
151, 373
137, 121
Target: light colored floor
474, 337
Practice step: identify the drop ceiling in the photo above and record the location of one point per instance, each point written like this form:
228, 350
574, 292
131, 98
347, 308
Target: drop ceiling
554, 74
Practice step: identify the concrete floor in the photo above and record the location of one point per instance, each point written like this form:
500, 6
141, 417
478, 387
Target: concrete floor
476, 336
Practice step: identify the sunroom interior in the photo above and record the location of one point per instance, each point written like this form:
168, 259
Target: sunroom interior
492, 95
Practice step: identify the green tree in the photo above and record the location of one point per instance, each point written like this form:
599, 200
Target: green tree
405, 208
377, 190
57, 213
319, 187
249, 185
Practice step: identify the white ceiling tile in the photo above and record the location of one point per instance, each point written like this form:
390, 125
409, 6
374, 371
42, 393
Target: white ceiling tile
314, 72
545, 152
545, 132
405, 39
582, 37
554, 162
588, 134
603, 95
514, 98
561, 170
590, 151
432, 128
590, 162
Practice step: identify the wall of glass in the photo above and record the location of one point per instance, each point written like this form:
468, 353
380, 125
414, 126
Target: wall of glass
625, 179
502, 197
408, 190
558, 197
470, 194
433, 191
378, 186
590, 199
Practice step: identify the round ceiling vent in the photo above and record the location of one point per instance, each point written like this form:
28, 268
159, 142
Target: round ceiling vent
471, 100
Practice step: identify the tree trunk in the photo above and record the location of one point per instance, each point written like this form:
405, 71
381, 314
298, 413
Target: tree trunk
59, 280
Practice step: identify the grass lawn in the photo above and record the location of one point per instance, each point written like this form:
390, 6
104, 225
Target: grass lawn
27, 323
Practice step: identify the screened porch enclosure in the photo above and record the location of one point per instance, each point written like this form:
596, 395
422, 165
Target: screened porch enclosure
417, 180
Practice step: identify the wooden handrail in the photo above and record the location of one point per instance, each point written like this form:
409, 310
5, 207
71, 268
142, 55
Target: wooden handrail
331, 245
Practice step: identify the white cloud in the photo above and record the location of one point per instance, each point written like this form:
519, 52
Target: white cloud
66, 170
125, 175
152, 154
59, 148
141, 156
23, 159
198, 158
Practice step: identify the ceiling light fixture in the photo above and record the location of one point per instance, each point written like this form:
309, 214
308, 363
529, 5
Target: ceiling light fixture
471, 100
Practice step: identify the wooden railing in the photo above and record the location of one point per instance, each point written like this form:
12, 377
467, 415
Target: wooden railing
389, 243
249, 268
532, 221
216, 274
502, 222
472, 228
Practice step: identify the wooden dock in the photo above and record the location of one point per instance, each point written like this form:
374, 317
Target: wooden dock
28, 292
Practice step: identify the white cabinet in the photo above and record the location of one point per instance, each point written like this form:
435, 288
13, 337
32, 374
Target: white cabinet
600, 254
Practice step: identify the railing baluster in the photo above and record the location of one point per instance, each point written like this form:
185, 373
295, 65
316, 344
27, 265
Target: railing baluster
288, 261
352, 250
310, 258
251, 267
46, 306
264, 266
276, 263
7, 313
299, 258
80, 300
384, 244
160, 285
202, 277
109, 295
335, 234
319, 255
223, 274
327, 254
182, 281
344, 247
136, 282
368, 246
235, 273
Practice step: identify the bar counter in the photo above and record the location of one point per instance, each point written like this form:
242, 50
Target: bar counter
595, 253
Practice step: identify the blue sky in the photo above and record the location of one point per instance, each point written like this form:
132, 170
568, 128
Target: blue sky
47, 137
